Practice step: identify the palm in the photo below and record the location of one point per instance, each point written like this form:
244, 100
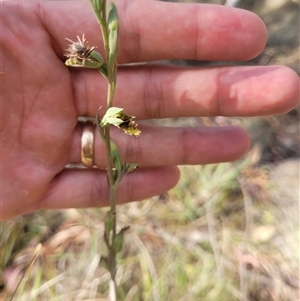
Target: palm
38, 128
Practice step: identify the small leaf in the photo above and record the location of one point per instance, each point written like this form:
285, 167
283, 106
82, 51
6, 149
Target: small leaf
98, 6
115, 175
113, 19
116, 156
119, 240
114, 27
109, 222
100, 129
103, 70
96, 57
113, 36
126, 168
131, 166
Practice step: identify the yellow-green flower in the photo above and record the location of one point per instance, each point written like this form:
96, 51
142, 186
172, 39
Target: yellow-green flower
115, 116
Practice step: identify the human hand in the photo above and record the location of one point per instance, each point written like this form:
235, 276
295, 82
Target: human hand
42, 98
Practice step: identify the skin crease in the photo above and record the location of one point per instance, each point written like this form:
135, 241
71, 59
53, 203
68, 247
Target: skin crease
42, 98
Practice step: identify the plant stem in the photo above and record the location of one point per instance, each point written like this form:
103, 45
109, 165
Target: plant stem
110, 94
112, 190
112, 186
109, 29
111, 180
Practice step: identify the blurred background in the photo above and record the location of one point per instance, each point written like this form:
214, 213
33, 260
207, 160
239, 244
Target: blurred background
226, 232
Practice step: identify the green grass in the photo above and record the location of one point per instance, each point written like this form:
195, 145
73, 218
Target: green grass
211, 237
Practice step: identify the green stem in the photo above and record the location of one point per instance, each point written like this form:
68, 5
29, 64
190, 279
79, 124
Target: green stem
112, 201
112, 191
111, 181
101, 17
112, 186
100, 11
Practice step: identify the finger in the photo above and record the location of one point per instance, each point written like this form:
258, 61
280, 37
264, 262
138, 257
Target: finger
88, 188
159, 92
152, 30
163, 146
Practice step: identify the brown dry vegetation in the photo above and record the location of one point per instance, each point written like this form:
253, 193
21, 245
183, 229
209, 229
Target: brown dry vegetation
226, 232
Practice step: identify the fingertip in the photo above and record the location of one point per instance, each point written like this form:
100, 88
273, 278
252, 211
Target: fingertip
239, 35
250, 34
243, 142
281, 91
256, 33
234, 142
175, 171
288, 97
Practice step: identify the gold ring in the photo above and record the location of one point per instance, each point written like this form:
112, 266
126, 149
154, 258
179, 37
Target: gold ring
87, 144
